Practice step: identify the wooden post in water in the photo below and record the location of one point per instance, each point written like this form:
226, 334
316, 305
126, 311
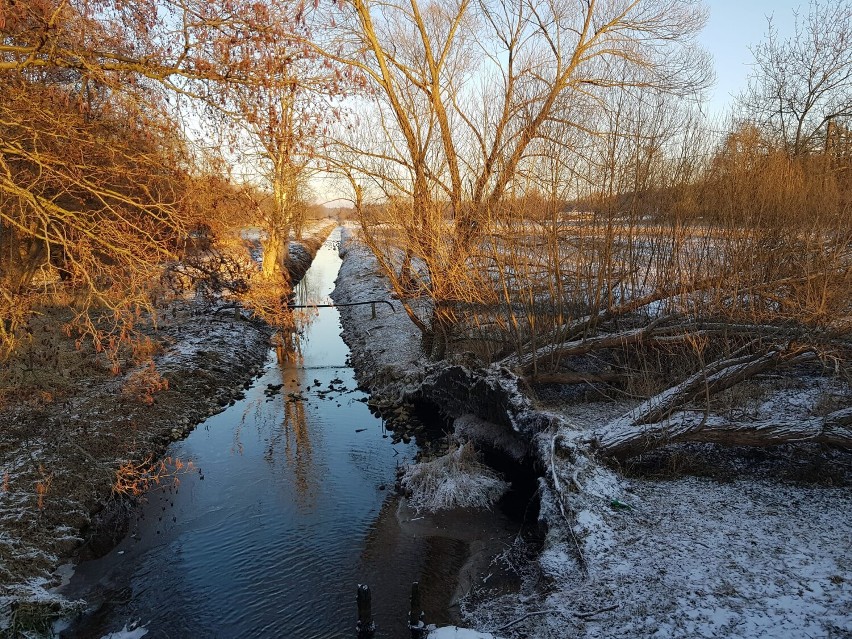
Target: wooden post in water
365, 626
373, 306
416, 624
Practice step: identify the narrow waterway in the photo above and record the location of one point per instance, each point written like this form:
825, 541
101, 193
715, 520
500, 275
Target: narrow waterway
287, 506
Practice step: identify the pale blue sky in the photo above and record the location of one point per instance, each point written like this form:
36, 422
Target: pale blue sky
735, 25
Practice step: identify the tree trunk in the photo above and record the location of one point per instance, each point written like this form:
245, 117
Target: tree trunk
711, 379
436, 341
652, 423
20, 258
625, 441
276, 251
406, 279
647, 334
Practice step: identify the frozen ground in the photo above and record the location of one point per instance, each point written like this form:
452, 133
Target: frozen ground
694, 558
746, 557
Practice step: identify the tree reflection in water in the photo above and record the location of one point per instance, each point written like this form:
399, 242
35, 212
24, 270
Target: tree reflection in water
294, 426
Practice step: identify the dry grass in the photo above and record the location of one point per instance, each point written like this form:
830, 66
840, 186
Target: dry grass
36, 618
48, 364
455, 480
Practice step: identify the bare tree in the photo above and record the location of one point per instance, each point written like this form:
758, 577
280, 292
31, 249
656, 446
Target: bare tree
281, 120
802, 86
94, 164
280, 132
467, 88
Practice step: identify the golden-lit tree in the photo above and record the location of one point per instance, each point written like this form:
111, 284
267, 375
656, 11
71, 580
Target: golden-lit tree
280, 126
466, 89
95, 170
95, 197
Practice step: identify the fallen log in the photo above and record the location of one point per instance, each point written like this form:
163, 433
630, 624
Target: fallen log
624, 441
646, 334
583, 325
662, 332
713, 378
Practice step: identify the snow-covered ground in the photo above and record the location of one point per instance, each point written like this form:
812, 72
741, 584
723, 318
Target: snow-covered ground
385, 350
684, 557
695, 558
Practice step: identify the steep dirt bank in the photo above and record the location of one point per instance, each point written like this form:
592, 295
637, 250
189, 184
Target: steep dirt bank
384, 349
386, 356
747, 549
59, 453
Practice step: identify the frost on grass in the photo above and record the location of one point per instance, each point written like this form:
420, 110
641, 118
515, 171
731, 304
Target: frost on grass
456, 480
29, 609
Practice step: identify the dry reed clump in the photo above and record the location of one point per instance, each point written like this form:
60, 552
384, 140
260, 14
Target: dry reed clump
455, 480
36, 618
142, 384
137, 478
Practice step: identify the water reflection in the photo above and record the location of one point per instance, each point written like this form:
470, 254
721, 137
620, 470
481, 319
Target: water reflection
294, 423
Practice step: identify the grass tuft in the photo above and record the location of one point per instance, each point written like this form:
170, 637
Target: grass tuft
455, 480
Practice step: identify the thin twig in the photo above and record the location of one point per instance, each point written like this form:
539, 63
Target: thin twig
527, 616
589, 615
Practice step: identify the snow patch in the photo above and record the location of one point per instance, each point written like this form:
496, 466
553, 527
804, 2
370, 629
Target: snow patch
596, 534
558, 561
452, 632
134, 632
698, 559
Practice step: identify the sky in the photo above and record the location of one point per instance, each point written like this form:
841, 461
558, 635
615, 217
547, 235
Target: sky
734, 26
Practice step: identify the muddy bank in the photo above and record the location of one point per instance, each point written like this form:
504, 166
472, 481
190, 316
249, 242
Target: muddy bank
386, 355
59, 455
